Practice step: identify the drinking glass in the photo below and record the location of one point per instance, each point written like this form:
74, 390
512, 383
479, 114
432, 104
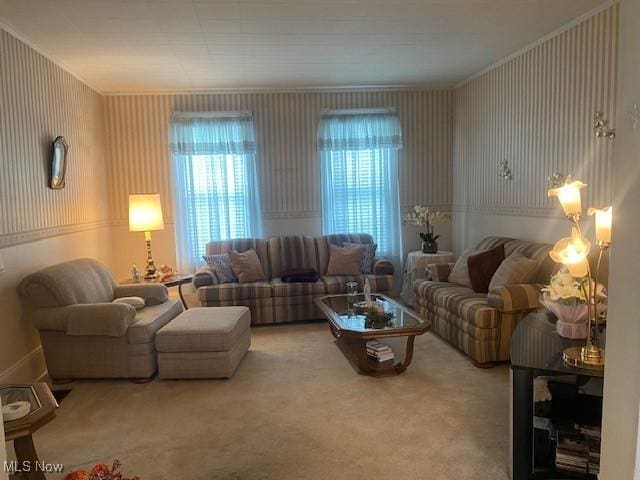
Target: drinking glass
352, 295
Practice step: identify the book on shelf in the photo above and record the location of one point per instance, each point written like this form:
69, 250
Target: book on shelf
379, 351
578, 450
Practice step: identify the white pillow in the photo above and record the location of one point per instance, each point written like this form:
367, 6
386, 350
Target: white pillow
460, 271
513, 270
135, 302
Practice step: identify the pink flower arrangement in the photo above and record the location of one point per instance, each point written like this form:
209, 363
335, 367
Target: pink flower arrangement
100, 472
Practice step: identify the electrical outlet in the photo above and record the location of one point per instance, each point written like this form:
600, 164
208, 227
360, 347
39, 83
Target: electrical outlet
1, 264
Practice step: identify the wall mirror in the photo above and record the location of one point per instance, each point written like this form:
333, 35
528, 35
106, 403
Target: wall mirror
58, 164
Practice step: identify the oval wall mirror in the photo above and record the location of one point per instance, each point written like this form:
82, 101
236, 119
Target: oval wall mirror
58, 164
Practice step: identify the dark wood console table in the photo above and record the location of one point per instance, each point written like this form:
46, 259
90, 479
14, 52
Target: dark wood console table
536, 350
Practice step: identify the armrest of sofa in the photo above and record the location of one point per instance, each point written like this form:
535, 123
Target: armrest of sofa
439, 272
153, 293
515, 298
93, 319
205, 276
382, 266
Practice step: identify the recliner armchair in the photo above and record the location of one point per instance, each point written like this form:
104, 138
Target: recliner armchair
84, 334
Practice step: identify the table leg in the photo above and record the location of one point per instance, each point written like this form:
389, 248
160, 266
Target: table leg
522, 434
184, 304
26, 452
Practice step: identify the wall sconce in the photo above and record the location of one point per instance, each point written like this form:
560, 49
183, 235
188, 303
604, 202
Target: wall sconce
601, 128
557, 179
635, 116
505, 170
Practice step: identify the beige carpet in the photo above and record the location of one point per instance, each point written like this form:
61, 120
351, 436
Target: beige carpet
295, 409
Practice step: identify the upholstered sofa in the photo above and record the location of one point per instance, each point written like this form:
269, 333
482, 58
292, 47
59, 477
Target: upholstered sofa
481, 324
273, 301
84, 334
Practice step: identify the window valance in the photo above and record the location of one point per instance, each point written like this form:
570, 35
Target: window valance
358, 131
213, 134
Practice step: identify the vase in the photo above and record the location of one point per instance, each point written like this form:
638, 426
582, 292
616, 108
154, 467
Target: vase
429, 247
573, 319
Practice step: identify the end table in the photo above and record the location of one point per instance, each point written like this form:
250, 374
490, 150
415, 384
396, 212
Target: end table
416, 269
43, 410
177, 280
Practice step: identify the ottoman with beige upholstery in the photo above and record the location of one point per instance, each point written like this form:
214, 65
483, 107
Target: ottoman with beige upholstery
204, 343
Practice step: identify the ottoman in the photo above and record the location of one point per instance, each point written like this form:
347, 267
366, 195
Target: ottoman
203, 343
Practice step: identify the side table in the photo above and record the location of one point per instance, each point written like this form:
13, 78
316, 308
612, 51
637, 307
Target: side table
43, 410
176, 280
416, 269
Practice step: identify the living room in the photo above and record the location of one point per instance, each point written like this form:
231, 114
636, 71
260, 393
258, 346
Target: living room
256, 174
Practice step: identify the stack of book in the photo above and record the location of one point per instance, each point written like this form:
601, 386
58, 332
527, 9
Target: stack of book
593, 435
379, 351
572, 452
579, 450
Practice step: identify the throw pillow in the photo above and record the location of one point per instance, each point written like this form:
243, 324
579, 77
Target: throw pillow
305, 275
460, 271
135, 302
514, 269
221, 265
368, 255
246, 266
482, 266
344, 261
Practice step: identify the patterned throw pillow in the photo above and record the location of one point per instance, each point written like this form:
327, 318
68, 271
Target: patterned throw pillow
221, 264
368, 255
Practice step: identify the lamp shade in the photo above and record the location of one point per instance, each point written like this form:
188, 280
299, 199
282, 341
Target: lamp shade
145, 213
572, 251
569, 197
603, 223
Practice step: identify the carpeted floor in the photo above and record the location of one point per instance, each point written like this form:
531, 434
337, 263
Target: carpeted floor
295, 409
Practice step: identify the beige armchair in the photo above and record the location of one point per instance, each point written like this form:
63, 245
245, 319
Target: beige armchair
84, 334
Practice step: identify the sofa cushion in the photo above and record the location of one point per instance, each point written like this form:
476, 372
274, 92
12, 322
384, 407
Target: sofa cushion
368, 257
515, 269
292, 253
460, 271
151, 319
482, 266
204, 330
322, 245
235, 291
242, 245
286, 289
246, 266
83, 280
345, 260
460, 300
338, 284
220, 263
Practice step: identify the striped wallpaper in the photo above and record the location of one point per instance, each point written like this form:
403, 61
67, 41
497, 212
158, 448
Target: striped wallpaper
40, 101
536, 111
137, 129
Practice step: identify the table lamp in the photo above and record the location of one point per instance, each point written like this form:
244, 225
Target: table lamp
145, 215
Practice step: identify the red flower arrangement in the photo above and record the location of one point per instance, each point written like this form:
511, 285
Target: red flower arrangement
100, 472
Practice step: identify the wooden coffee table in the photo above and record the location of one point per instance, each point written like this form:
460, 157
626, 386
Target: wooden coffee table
353, 331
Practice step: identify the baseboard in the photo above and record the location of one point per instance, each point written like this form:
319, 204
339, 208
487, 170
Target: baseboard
31, 368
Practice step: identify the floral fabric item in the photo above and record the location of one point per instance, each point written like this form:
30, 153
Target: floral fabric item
368, 255
221, 265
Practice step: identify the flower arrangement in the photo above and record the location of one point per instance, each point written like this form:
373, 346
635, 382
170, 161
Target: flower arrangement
566, 297
376, 316
422, 216
100, 472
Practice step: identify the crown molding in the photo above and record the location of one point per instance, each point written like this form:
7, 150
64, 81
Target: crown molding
285, 89
540, 41
11, 31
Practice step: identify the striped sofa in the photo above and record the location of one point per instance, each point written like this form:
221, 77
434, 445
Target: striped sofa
481, 324
273, 301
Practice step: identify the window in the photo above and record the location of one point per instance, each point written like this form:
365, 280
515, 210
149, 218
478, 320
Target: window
215, 183
359, 155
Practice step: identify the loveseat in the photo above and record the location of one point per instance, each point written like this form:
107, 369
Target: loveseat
481, 324
83, 333
274, 301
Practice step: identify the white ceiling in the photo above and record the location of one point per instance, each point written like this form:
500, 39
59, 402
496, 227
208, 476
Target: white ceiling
153, 45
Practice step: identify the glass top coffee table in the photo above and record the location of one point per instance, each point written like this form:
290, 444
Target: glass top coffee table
353, 329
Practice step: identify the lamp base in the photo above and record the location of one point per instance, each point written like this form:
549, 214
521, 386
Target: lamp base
587, 357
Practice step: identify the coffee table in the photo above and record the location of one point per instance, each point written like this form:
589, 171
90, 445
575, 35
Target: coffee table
352, 332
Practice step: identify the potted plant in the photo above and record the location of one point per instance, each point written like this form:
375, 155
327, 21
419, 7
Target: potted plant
422, 216
565, 297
